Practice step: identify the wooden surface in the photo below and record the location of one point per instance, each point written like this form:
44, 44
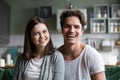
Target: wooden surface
8, 66
118, 63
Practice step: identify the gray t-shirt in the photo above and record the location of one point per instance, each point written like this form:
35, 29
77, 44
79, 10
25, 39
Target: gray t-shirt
89, 62
33, 70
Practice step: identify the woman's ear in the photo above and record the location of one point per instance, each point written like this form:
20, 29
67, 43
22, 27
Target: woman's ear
61, 30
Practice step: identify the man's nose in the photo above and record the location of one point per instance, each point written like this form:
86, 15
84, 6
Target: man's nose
72, 28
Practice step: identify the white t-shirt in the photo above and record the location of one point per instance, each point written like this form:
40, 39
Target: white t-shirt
89, 62
33, 70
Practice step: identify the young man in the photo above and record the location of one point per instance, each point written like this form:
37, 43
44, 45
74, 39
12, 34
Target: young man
82, 62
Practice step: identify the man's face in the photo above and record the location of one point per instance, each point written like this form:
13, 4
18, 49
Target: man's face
72, 30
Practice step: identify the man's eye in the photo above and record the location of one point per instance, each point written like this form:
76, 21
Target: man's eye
77, 26
66, 26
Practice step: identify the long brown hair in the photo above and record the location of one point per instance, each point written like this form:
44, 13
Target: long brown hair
29, 47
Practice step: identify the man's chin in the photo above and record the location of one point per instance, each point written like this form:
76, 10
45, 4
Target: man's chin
70, 42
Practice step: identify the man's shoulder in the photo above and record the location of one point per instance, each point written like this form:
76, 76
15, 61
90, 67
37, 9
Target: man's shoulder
90, 48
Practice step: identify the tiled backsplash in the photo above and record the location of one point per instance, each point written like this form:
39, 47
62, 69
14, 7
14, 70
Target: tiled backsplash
18, 41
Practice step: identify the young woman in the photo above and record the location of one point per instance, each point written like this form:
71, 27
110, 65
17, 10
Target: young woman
39, 61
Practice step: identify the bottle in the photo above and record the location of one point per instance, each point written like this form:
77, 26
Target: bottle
115, 27
118, 27
102, 27
99, 14
111, 27
2, 62
8, 58
105, 14
94, 27
98, 27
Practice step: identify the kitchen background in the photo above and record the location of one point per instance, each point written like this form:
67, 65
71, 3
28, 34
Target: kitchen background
18, 12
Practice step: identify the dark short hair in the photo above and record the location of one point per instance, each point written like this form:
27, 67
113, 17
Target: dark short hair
29, 47
74, 12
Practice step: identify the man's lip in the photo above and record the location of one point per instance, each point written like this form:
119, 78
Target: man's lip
71, 36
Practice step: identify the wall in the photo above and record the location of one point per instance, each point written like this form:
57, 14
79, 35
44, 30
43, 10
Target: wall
23, 10
4, 22
18, 41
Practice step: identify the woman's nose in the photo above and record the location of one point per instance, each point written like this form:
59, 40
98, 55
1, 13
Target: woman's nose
41, 35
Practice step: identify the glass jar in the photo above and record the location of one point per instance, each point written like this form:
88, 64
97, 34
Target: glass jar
98, 27
105, 14
98, 14
94, 27
111, 27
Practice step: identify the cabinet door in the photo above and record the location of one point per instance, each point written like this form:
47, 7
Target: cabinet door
4, 23
115, 10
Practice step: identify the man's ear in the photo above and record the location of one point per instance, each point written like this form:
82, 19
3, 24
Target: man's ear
82, 31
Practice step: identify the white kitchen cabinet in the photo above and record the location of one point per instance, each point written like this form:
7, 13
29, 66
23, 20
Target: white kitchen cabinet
105, 20
98, 23
114, 21
101, 11
115, 10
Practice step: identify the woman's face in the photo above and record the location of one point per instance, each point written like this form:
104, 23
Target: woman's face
40, 35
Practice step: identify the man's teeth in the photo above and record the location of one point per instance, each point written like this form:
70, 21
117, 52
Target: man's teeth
71, 35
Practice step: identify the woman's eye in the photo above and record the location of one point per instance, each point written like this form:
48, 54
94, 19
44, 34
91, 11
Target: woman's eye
35, 33
45, 31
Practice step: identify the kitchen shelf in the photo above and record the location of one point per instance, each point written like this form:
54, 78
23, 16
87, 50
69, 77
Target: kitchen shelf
106, 19
98, 25
114, 25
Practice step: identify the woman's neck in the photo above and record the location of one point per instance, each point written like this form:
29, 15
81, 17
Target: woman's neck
40, 52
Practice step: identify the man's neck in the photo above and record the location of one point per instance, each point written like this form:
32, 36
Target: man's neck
71, 52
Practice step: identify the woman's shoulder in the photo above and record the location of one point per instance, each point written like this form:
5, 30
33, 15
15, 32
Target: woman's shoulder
20, 56
57, 55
